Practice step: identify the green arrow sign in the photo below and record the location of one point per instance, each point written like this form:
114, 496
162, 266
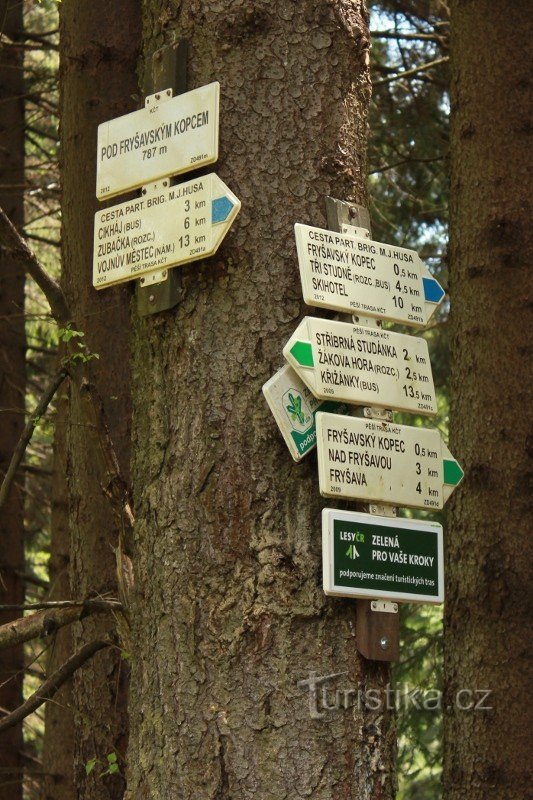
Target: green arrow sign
453, 474
384, 462
303, 353
362, 365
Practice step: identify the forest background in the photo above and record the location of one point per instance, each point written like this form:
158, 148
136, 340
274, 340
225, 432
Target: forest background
409, 199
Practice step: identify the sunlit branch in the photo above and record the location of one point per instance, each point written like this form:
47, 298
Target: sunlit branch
410, 72
424, 37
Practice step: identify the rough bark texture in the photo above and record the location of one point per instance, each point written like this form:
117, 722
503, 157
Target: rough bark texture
229, 612
488, 624
99, 46
12, 389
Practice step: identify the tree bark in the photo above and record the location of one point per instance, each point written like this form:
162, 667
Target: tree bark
98, 52
58, 746
12, 391
487, 622
229, 612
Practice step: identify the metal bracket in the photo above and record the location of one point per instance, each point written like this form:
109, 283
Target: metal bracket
353, 230
167, 67
153, 297
157, 98
166, 76
383, 414
382, 510
340, 212
368, 322
384, 606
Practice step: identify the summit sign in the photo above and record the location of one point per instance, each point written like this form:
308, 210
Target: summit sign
169, 136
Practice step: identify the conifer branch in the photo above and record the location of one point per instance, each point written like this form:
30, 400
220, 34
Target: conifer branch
47, 621
408, 73
19, 250
52, 684
27, 433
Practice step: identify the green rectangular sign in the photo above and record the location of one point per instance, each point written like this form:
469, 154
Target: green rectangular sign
382, 557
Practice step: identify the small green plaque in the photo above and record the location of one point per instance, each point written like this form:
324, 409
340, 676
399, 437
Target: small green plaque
295, 408
382, 557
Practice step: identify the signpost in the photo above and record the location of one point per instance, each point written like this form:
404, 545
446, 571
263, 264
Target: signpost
169, 226
361, 365
379, 557
294, 408
170, 135
358, 276
384, 462
367, 459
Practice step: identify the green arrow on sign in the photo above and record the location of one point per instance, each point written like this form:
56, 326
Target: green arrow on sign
303, 353
352, 551
453, 474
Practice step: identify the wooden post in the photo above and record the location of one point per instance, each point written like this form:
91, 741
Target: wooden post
167, 69
377, 622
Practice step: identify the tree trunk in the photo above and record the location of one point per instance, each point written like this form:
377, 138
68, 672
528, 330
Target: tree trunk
99, 46
58, 747
12, 389
487, 623
229, 612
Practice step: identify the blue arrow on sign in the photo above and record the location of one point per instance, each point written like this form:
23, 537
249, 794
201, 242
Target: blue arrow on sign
433, 291
220, 209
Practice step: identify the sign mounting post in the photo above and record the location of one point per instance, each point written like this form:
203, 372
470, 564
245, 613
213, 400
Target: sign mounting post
167, 69
377, 621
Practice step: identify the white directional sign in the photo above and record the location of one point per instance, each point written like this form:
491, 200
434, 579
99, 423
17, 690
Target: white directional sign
384, 462
365, 366
169, 136
358, 276
294, 408
392, 559
168, 227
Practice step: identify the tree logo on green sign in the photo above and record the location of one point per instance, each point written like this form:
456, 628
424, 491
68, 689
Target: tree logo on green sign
295, 408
